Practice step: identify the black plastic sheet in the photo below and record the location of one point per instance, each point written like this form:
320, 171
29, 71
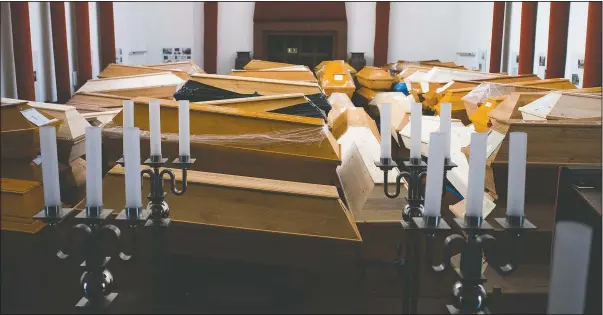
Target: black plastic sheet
318, 105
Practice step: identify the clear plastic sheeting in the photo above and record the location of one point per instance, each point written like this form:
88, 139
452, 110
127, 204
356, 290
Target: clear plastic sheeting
485, 90
305, 136
339, 103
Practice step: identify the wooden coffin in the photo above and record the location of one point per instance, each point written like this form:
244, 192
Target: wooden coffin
210, 87
340, 102
20, 129
251, 219
335, 77
400, 104
245, 85
96, 102
72, 130
189, 67
353, 117
347, 66
374, 78
558, 106
117, 70
256, 64
240, 142
158, 85
272, 206
367, 94
21, 199
271, 103
290, 75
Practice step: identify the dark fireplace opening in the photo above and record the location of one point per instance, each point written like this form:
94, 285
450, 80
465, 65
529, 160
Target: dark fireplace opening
308, 50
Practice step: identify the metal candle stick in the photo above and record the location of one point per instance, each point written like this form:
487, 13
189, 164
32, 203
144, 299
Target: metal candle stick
476, 244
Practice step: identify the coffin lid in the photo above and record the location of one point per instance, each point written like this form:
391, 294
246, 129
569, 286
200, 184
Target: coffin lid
374, 74
132, 82
189, 67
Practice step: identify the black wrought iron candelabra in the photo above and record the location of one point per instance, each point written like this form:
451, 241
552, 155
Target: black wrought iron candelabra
97, 281
476, 244
414, 172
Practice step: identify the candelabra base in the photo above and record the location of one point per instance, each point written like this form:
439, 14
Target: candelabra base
143, 215
85, 215
102, 303
464, 225
52, 216
525, 224
454, 310
430, 223
162, 222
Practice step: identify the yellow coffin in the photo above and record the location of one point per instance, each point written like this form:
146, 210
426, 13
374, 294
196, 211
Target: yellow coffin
19, 136
375, 78
334, 77
240, 142
367, 93
20, 200
260, 103
347, 66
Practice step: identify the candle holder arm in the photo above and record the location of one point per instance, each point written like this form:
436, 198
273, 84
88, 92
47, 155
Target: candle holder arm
401, 175
148, 172
117, 233
449, 243
172, 177
495, 251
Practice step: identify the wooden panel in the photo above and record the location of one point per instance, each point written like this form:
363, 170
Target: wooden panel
498, 17
60, 51
106, 33
527, 37
557, 44
381, 32
592, 55
210, 36
142, 81
189, 67
24, 72
256, 64
83, 48
88, 102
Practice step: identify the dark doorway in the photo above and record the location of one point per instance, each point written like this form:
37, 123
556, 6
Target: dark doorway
308, 50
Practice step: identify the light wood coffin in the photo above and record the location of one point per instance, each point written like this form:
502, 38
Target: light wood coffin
117, 70
19, 136
71, 134
252, 219
240, 142
189, 67
20, 200
374, 78
96, 102
290, 75
245, 85
558, 106
260, 103
158, 85
340, 102
256, 64
354, 117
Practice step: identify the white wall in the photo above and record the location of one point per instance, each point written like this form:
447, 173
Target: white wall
423, 30
361, 28
152, 26
94, 39
8, 85
576, 39
514, 34
235, 32
474, 34
542, 35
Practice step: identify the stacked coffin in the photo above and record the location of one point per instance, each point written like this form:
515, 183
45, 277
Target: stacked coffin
336, 76
21, 167
373, 80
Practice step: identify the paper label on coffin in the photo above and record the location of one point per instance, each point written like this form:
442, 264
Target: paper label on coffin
35, 117
247, 203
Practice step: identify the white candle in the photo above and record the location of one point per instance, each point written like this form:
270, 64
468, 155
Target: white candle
155, 127
184, 128
385, 111
128, 113
517, 173
416, 111
132, 166
445, 117
435, 174
50, 166
94, 167
477, 173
